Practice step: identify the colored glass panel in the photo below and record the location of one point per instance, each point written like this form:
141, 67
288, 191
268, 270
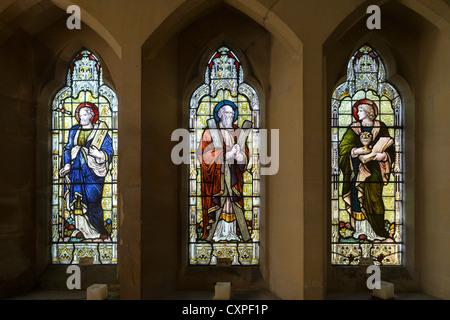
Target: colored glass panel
224, 171
366, 165
84, 166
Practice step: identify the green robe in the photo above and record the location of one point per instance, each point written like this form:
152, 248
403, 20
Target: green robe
365, 194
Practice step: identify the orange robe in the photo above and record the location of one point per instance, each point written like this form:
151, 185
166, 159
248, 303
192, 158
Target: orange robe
212, 178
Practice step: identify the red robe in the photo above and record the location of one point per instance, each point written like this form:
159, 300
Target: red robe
212, 184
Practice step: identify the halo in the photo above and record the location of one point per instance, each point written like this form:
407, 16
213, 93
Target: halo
225, 103
87, 105
364, 101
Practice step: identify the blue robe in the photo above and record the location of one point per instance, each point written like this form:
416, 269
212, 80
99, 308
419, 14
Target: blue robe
85, 184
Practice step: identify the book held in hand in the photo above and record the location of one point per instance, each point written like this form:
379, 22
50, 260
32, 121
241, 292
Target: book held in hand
382, 144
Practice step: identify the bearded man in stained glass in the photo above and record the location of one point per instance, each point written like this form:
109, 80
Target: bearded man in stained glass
224, 157
366, 153
87, 156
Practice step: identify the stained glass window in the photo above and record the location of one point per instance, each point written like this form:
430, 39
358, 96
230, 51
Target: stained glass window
224, 177
84, 137
367, 155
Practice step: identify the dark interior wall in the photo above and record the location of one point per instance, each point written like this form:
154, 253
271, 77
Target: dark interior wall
431, 91
17, 142
160, 191
24, 185
24, 227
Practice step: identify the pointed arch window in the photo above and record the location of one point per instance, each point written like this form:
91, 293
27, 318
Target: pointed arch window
224, 178
84, 137
367, 155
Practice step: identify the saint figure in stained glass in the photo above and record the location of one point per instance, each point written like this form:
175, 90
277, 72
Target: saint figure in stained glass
84, 166
224, 179
367, 165
366, 154
224, 157
87, 156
